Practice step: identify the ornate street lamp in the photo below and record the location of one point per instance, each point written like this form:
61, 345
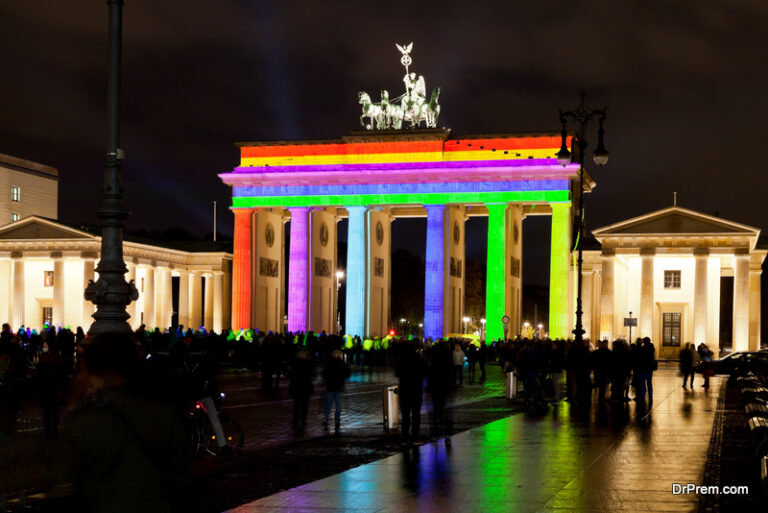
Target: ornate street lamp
111, 293
581, 117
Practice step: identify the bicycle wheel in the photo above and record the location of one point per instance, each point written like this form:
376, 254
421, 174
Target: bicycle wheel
194, 436
233, 435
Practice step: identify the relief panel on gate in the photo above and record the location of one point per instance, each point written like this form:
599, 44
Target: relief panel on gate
322, 267
378, 266
455, 267
514, 267
269, 267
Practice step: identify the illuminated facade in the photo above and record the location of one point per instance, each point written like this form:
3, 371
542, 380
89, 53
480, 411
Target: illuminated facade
373, 177
666, 267
46, 265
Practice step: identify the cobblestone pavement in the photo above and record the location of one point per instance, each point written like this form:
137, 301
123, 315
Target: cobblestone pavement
610, 458
26, 457
556, 458
266, 417
731, 460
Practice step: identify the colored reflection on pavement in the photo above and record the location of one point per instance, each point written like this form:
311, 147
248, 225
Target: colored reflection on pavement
607, 457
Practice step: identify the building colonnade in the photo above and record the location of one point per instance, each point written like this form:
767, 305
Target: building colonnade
45, 267
258, 268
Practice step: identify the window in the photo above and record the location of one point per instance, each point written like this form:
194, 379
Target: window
48, 315
671, 329
671, 279
48, 279
15, 194
14, 217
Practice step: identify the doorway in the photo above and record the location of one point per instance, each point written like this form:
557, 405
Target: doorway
671, 333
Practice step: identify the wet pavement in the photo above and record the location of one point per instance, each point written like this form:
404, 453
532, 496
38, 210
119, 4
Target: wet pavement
561, 458
272, 450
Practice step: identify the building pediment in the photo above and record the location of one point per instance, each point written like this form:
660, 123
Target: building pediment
675, 221
36, 228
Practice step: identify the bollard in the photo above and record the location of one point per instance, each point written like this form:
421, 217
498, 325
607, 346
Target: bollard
511, 385
391, 408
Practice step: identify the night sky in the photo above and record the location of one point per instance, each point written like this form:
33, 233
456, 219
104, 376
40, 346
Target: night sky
684, 82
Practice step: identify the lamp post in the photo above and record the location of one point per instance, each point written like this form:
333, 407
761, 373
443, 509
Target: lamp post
581, 117
466, 320
111, 293
339, 277
482, 323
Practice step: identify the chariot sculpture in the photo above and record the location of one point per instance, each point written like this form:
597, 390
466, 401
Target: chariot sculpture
412, 106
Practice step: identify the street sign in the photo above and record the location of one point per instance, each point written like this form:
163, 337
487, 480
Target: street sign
505, 319
630, 321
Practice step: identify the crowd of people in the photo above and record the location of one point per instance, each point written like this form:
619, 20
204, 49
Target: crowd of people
180, 365
545, 367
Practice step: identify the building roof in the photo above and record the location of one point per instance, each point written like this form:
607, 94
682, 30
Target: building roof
27, 166
675, 221
676, 227
38, 227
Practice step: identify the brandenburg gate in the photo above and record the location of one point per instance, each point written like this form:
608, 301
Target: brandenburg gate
382, 173
373, 177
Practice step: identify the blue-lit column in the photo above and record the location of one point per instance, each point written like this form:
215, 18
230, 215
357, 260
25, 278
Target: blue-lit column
355, 307
434, 272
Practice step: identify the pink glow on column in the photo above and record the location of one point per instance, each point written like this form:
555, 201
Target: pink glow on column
298, 300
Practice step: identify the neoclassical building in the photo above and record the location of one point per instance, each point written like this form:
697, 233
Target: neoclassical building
45, 266
372, 178
665, 268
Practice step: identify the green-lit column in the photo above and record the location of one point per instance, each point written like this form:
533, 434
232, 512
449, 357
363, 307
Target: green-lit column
494, 281
558, 271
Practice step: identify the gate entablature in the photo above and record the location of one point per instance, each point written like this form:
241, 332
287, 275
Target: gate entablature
408, 167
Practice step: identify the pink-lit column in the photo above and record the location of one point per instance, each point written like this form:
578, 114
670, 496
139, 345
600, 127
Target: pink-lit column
298, 299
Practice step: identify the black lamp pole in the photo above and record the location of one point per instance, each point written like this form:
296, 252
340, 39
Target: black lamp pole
111, 293
581, 117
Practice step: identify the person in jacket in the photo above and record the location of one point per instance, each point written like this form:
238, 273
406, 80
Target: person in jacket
335, 374
457, 355
51, 381
129, 452
410, 371
556, 366
706, 354
601, 366
527, 365
300, 388
646, 365
688, 359
439, 384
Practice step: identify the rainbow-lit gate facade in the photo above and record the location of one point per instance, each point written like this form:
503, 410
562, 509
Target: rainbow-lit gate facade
407, 173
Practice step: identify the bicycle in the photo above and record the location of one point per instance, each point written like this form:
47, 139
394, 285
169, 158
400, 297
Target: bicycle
202, 437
